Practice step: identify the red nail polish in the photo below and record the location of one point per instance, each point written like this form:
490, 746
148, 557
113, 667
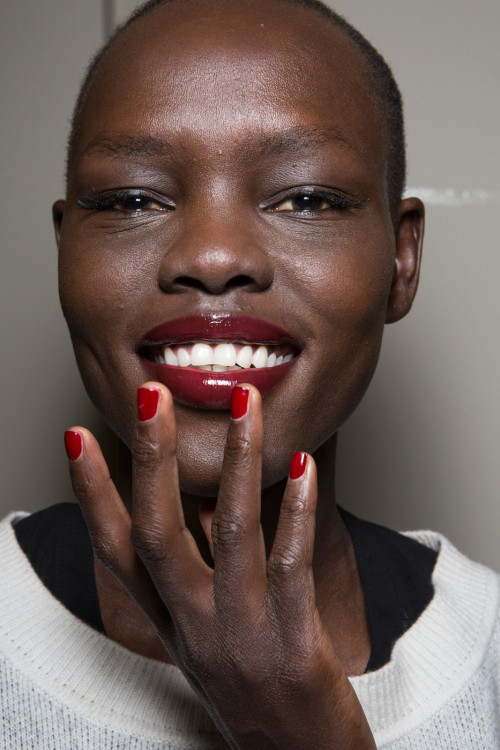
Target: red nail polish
73, 444
298, 464
239, 401
147, 403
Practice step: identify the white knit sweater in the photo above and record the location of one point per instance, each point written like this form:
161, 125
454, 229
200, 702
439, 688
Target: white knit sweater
64, 686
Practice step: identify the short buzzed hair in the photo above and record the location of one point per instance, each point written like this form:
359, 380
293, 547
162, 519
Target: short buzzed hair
388, 98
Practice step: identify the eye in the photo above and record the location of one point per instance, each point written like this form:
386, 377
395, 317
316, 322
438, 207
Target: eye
311, 202
124, 201
132, 202
300, 203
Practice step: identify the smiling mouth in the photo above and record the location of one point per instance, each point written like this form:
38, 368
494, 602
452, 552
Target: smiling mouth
201, 358
222, 356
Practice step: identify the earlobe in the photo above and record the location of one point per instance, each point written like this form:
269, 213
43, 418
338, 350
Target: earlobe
57, 217
409, 238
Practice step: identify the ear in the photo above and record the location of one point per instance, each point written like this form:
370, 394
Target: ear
57, 217
409, 227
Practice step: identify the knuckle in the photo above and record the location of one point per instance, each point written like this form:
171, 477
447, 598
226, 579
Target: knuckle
285, 561
226, 530
296, 506
84, 484
149, 544
237, 448
90, 482
146, 451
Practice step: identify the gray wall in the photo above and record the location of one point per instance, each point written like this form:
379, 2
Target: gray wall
422, 449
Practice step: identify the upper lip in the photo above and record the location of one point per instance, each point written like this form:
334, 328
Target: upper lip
218, 327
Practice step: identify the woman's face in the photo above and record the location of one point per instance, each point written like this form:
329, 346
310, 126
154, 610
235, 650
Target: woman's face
232, 171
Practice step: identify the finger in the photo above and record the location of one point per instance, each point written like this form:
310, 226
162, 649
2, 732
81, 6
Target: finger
108, 521
159, 532
289, 566
238, 542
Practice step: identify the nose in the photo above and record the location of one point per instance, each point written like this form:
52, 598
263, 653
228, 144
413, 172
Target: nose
215, 256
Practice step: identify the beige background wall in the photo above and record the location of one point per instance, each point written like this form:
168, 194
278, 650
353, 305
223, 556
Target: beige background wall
422, 449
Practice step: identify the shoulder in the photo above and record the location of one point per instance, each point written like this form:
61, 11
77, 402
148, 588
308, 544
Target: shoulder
444, 671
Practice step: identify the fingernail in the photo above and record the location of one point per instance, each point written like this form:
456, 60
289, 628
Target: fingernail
298, 464
73, 444
239, 401
147, 403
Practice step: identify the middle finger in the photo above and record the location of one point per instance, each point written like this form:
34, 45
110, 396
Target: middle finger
239, 550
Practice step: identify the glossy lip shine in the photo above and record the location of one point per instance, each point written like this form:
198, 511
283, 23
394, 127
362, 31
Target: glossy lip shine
212, 390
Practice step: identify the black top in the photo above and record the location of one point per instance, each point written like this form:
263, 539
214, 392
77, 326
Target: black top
395, 571
57, 544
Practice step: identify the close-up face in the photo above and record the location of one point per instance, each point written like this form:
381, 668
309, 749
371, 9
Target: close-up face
228, 192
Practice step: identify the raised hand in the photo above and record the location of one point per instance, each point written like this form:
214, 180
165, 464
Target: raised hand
246, 633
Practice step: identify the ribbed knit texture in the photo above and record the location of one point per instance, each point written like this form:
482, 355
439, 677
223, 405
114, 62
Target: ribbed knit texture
65, 686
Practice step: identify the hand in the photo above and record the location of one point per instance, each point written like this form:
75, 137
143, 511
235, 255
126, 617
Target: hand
246, 634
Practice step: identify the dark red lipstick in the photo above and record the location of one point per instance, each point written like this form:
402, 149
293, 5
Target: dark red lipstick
212, 390
218, 327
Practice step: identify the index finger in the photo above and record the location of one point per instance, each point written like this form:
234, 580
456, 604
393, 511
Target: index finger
159, 532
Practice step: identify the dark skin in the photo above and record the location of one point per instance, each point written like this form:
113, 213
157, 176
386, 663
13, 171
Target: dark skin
210, 556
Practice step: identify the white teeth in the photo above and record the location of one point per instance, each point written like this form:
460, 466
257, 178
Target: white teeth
202, 354
259, 359
183, 357
244, 358
225, 354
221, 357
170, 358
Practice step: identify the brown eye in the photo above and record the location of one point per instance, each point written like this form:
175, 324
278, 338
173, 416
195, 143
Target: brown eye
131, 202
304, 203
124, 201
313, 202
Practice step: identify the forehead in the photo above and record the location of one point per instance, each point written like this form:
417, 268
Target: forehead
227, 69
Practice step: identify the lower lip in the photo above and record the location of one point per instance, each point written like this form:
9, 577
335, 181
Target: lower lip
212, 390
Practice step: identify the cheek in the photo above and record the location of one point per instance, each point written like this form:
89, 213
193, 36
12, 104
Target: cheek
97, 297
346, 306
96, 285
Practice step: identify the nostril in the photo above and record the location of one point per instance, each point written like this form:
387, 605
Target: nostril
217, 286
239, 281
190, 282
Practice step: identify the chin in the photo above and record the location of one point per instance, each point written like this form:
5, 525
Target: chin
200, 454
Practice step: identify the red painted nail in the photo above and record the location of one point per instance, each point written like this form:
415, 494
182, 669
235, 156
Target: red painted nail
239, 401
298, 464
73, 444
147, 403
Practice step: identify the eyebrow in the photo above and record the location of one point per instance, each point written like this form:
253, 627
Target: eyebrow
292, 140
130, 145
301, 138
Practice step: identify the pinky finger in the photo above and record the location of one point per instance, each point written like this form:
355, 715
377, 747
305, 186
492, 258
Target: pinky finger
290, 561
108, 521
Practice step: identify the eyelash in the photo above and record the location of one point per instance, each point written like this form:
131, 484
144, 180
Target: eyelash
336, 201
93, 201
106, 201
